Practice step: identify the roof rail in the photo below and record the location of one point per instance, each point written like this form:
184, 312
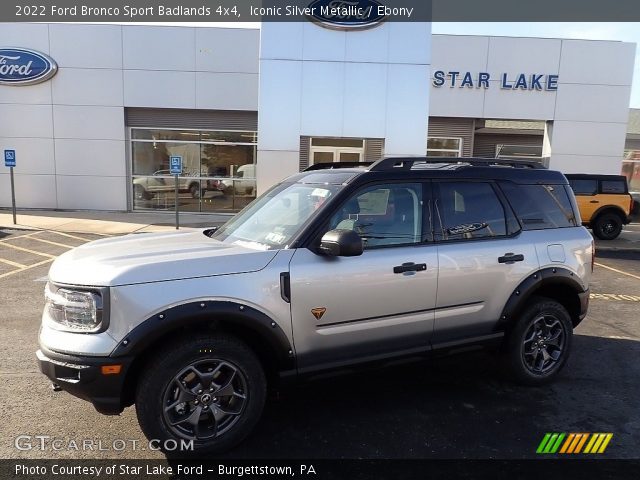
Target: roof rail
331, 166
408, 163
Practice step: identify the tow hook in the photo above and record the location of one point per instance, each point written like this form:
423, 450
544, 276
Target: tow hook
55, 387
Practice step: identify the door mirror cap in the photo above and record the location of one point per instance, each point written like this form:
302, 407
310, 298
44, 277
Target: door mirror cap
341, 243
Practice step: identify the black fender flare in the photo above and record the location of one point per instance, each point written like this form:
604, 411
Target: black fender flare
550, 276
604, 209
203, 313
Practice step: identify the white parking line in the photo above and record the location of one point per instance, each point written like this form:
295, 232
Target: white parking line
13, 264
28, 250
27, 267
73, 236
616, 270
51, 243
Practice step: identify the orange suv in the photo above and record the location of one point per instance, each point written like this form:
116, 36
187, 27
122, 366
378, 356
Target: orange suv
604, 202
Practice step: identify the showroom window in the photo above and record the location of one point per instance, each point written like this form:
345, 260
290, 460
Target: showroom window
218, 169
444, 147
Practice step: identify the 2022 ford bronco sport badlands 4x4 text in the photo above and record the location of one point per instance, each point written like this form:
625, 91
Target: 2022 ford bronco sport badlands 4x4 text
328, 268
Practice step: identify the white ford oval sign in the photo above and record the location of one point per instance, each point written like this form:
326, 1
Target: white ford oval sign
22, 66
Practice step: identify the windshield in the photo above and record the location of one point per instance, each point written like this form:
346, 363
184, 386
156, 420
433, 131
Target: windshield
273, 219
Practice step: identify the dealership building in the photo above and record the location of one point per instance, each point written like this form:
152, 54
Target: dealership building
244, 108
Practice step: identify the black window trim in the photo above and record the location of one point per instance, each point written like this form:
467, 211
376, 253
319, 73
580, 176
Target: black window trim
572, 203
320, 228
623, 180
597, 182
501, 199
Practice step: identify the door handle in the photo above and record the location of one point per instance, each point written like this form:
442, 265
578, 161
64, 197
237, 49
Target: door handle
594, 201
410, 267
510, 258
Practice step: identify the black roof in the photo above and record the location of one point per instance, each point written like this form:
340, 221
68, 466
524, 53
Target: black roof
407, 168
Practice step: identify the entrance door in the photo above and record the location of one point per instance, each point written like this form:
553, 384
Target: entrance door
329, 150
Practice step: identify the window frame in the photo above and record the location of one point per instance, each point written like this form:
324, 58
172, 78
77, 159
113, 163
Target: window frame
427, 225
567, 191
597, 183
438, 233
624, 181
200, 178
458, 152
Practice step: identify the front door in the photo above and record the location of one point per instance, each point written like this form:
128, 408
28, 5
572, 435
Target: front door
374, 305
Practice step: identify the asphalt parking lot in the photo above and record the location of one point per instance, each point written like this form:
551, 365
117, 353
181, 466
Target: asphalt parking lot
450, 407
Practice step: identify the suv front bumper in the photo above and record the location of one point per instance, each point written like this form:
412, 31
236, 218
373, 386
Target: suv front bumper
83, 377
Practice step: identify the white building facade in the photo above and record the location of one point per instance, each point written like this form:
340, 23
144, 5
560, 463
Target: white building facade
245, 108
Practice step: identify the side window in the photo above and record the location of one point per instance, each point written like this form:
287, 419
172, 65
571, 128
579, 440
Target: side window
614, 186
584, 186
383, 215
467, 210
540, 206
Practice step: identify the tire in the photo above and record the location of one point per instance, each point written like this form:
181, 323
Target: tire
139, 193
215, 418
541, 320
194, 190
607, 226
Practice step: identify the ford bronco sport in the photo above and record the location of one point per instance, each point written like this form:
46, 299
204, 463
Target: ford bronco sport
329, 268
604, 202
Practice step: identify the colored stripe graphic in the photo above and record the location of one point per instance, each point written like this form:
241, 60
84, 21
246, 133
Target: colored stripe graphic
583, 439
573, 443
543, 442
567, 443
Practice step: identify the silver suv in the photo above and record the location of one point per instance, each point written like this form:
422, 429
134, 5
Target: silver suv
330, 268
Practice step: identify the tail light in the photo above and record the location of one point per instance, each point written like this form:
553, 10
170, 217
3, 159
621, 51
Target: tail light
631, 204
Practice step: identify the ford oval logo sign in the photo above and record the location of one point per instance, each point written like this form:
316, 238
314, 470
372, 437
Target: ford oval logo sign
22, 66
347, 14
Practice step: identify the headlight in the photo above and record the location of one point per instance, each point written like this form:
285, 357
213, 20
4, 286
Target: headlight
74, 310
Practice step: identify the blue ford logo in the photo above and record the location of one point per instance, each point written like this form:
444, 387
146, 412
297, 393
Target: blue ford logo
347, 14
21, 66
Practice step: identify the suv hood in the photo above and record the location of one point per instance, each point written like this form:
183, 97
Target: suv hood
154, 257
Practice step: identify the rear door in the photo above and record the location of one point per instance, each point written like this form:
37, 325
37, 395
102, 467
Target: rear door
481, 257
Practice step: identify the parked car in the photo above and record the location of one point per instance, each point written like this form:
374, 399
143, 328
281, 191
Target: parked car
329, 269
245, 181
604, 202
145, 188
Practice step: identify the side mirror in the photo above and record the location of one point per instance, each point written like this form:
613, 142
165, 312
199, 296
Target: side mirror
341, 243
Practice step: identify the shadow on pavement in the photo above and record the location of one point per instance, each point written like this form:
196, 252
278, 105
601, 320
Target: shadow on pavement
455, 407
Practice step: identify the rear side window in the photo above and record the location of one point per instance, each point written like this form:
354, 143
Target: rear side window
614, 186
584, 186
469, 210
540, 207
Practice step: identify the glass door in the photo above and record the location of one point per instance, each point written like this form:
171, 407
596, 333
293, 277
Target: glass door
329, 150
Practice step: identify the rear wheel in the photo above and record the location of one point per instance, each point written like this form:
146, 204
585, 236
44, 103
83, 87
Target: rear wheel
210, 390
539, 345
607, 226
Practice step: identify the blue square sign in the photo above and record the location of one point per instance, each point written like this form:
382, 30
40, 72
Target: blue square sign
9, 158
175, 164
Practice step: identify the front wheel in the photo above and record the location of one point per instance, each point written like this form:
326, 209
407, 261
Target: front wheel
538, 347
207, 390
195, 191
608, 226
